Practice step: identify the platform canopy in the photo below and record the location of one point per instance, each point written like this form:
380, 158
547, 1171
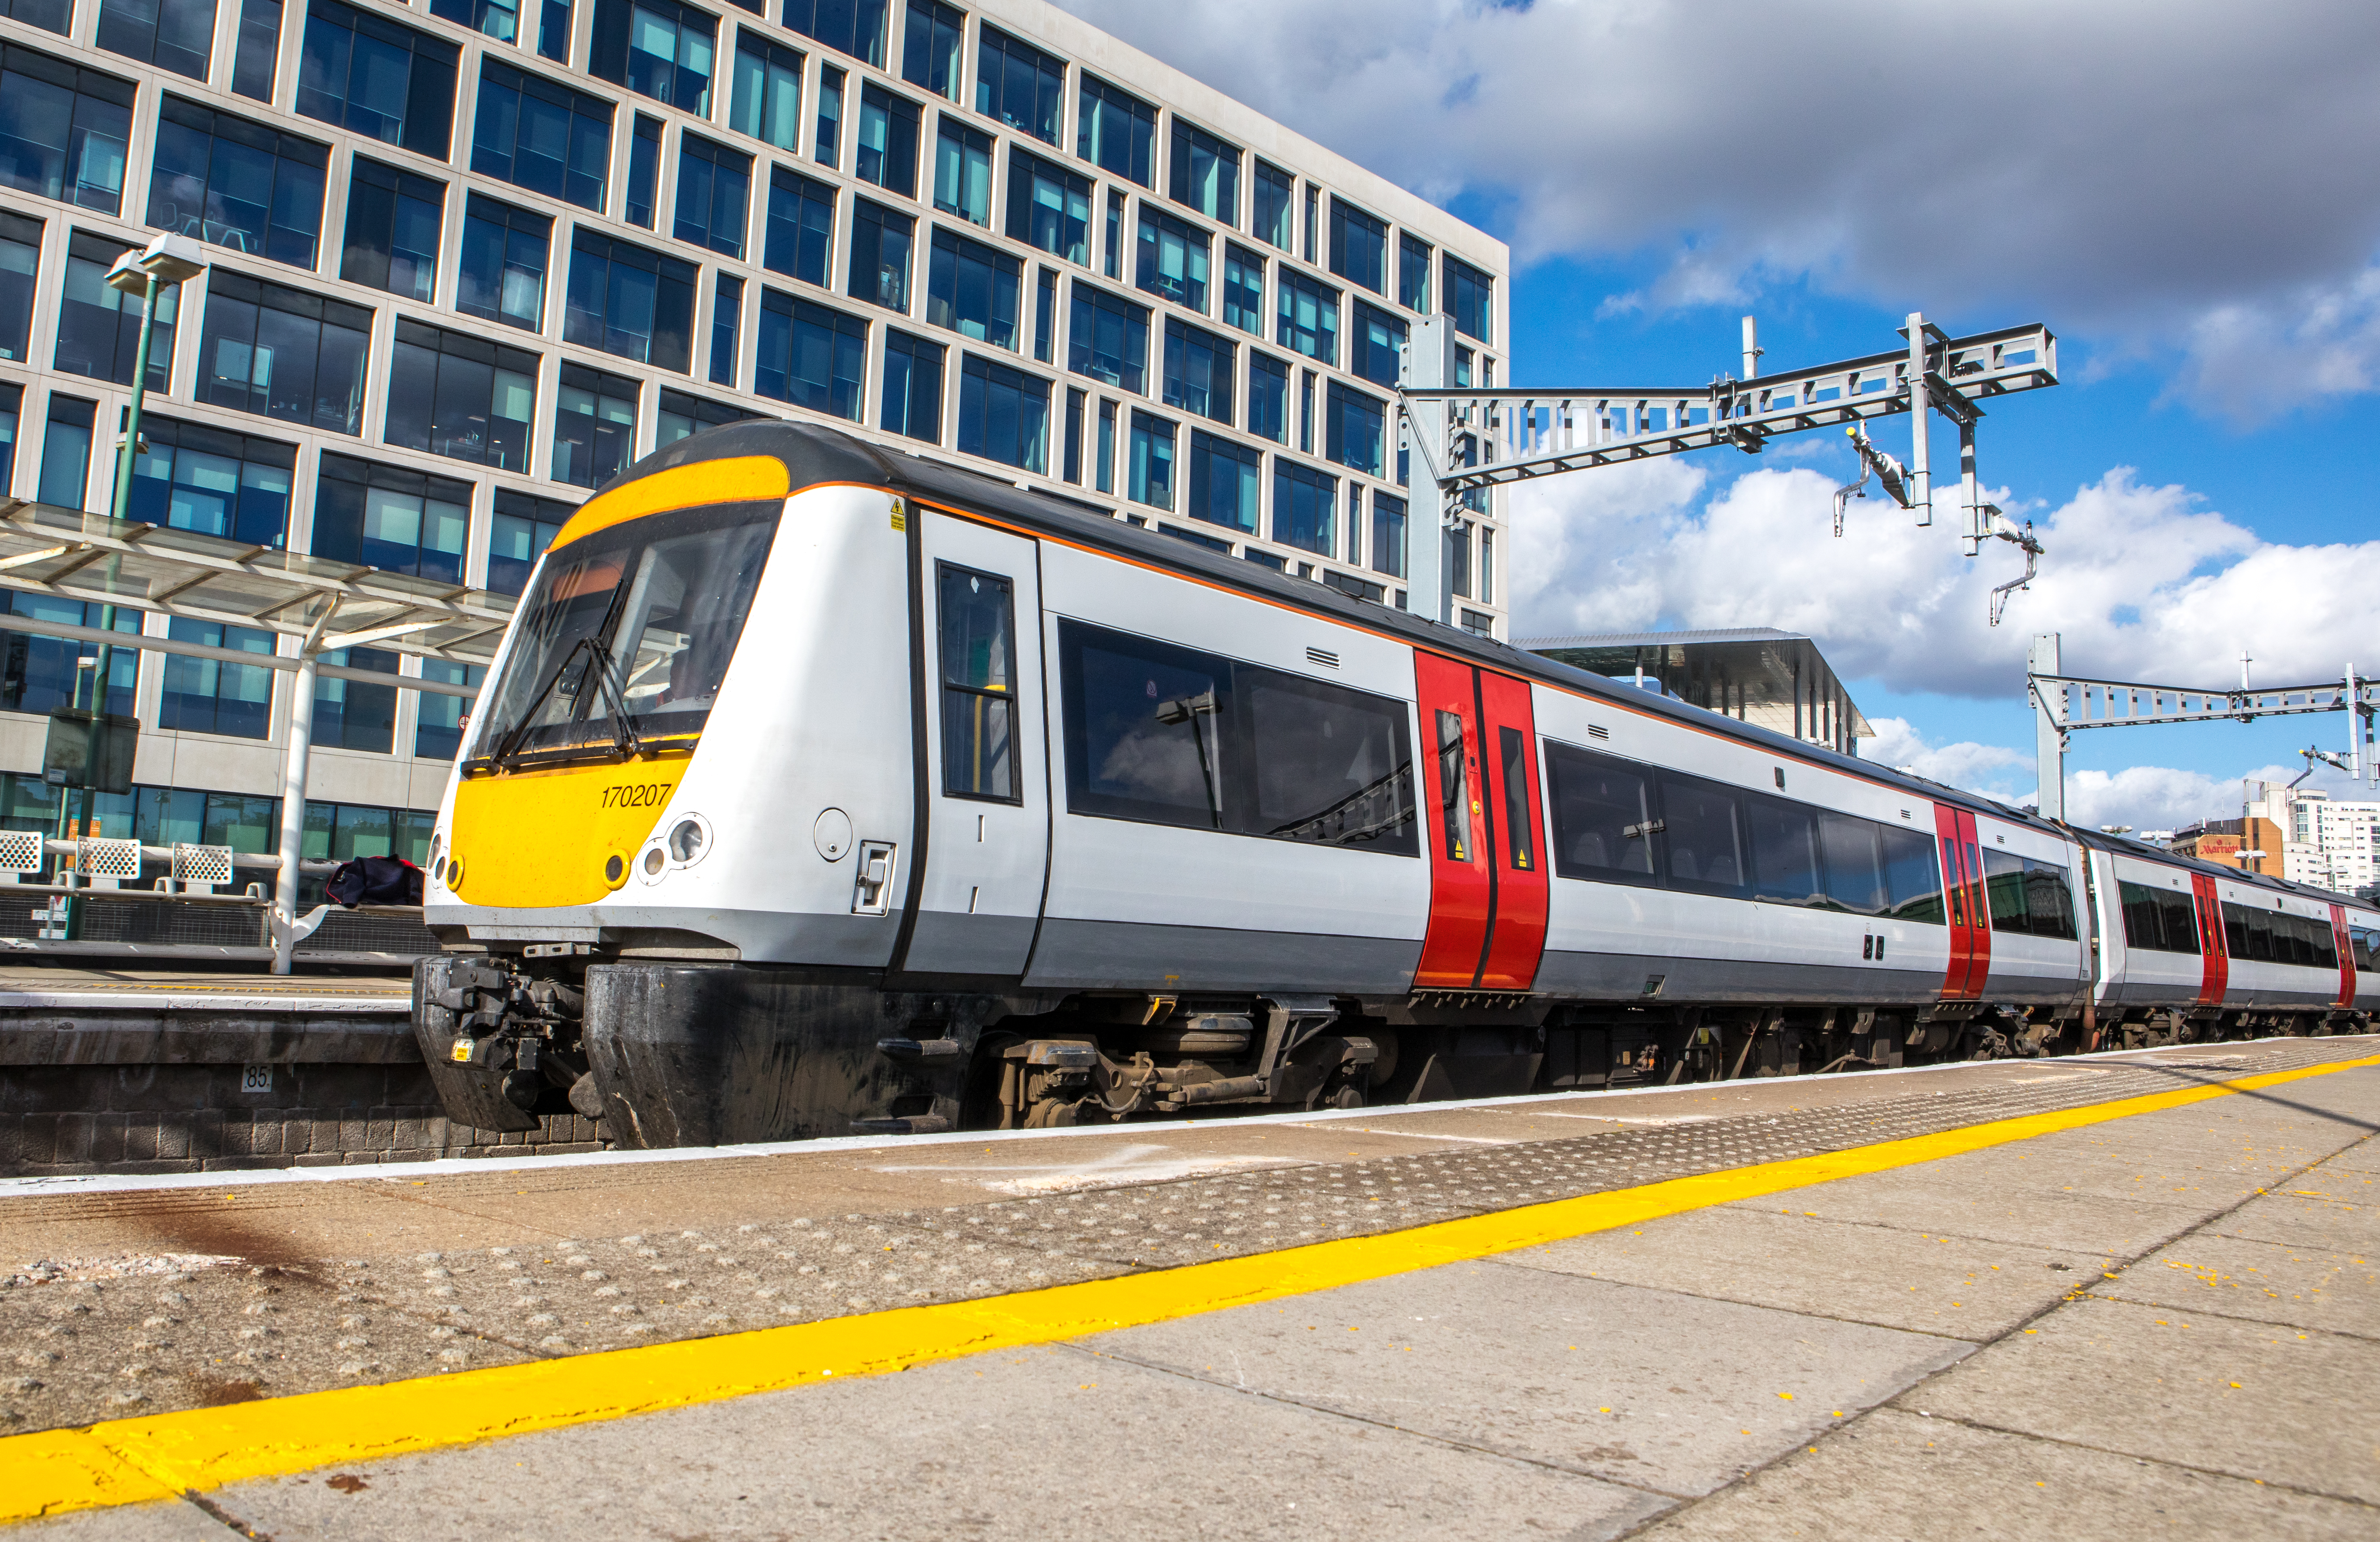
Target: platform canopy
1757, 675
74, 554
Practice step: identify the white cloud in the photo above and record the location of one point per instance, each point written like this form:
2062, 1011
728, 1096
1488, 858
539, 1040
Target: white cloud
2141, 582
2188, 177
1977, 767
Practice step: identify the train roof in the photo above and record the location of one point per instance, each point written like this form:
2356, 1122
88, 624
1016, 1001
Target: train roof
817, 456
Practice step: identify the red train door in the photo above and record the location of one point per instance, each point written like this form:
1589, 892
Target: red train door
2214, 956
1482, 827
2340, 940
1970, 916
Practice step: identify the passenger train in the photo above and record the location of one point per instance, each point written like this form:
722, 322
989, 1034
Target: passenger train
820, 788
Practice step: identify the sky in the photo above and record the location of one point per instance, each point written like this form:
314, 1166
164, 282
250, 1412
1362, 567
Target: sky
2186, 193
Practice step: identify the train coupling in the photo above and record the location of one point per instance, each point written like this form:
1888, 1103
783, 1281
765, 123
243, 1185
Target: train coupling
497, 1039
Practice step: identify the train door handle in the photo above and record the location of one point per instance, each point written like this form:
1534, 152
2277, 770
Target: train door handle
872, 893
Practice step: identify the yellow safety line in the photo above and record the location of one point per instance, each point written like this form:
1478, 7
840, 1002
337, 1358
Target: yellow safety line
160, 1456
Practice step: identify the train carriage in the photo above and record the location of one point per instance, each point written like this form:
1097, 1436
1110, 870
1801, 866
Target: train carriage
817, 788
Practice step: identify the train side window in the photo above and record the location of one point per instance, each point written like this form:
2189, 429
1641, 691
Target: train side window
1143, 728
1604, 821
2326, 943
1702, 835
1854, 865
978, 629
2367, 945
1520, 830
1785, 864
2050, 900
2260, 937
1912, 876
1328, 765
1455, 787
2235, 931
2160, 919
2004, 888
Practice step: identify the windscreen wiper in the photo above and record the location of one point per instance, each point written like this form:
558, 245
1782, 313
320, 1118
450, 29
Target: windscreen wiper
624, 738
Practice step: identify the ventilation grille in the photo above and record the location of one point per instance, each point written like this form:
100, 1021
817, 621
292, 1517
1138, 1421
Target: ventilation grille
1323, 657
201, 864
1596, 731
20, 850
103, 858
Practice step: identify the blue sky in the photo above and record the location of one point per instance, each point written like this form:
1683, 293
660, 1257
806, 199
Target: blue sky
2184, 191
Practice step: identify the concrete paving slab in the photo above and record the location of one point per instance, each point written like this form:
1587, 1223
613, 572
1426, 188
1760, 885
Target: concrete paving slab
1895, 1477
2301, 1287
2341, 1212
2256, 1401
1049, 1445
1983, 1202
1954, 1286
165, 1521
1655, 1389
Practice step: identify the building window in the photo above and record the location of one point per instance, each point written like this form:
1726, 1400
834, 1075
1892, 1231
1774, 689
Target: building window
1413, 274
888, 142
881, 239
594, 426
497, 18
1313, 196
656, 48
545, 137
1267, 397
392, 518
438, 720
912, 387
1018, 84
1049, 207
1458, 560
801, 226
208, 696
1105, 472
1470, 299
1172, 259
1224, 486
66, 452
811, 356
256, 53
628, 301
1307, 318
1199, 368
1003, 414
1151, 477
768, 90
460, 396
283, 353
1074, 470
1243, 290
1206, 173
1486, 566
20, 263
523, 527
1388, 535
830, 116
1115, 235
1304, 505
930, 45
175, 35
554, 31
232, 183
50, 16
188, 476
38, 673
506, 254
1109, 339
644, 171
1359, 245
1306, 412
377, 78
355, 715
971, 288
682, 417
1116, 131
1378, 344
1357, 425
962, 172
99, 328
726, 325
395, 221
12, 398
67, 131
853, 27
714, 186
1276, 206
1045, 316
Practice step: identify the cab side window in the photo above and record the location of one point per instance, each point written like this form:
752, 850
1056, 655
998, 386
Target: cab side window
977, 620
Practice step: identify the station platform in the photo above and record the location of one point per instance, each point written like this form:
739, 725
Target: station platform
2113, 1297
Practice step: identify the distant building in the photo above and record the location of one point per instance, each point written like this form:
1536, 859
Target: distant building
2332, 843
2218, 841
1755, 674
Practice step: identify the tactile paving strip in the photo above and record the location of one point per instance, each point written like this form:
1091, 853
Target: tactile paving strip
111, 1338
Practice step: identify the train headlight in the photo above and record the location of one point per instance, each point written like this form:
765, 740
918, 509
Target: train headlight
437, 848
655, 860
689, 840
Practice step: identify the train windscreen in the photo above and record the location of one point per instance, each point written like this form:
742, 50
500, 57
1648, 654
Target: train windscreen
624, 638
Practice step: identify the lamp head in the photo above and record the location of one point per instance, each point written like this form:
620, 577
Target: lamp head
170, 259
